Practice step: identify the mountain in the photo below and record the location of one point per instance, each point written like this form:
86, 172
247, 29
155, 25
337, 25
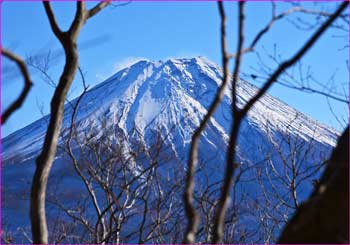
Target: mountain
174, 92
168, 99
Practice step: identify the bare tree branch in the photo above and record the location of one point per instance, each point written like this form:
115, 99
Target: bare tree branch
26, 88
70, 153
79, 19
53, 23
303, 87
46, 157
41, 64
97, 8
314, 91
274, 19
230, 167
192, 215
238, 116
286, 64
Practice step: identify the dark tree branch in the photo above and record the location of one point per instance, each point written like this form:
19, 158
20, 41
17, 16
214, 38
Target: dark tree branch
79, 19
45, 159
219, 220
52, 20
303, 87
97, 8
314, 91
192, 215
238, 115
288, 63
274, 19
26, 88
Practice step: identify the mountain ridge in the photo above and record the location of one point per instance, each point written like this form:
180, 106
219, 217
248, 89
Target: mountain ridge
194, 79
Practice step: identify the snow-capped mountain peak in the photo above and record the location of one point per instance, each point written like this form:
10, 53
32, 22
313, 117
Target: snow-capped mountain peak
167, 93
153, 108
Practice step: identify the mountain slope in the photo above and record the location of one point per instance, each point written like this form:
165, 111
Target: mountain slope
166, 100
167, 93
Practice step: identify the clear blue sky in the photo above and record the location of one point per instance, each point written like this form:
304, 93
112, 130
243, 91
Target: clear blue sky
159, 30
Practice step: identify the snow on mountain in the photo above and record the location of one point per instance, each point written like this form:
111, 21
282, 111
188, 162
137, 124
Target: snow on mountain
169, 98
174, 92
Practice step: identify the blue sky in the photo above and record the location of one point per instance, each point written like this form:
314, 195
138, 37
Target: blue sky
118, 36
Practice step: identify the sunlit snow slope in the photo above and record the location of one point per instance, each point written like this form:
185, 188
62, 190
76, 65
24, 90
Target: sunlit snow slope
173, 95
168, 98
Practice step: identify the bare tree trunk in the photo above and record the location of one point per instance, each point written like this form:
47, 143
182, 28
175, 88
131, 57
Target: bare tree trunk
191, 213
218, 230
324, 218
45, 159
239, 114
